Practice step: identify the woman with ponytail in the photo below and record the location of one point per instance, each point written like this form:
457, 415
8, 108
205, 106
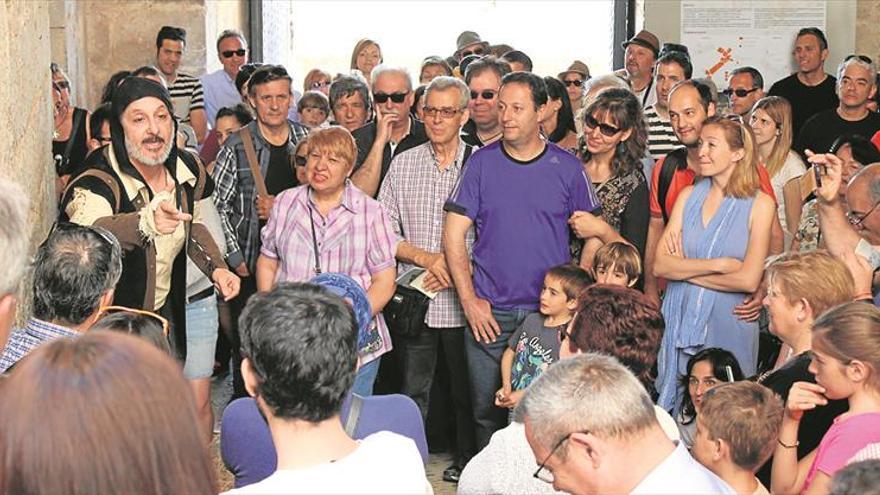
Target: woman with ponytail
713, 252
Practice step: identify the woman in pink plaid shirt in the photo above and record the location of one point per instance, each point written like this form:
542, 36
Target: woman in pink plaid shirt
330, 226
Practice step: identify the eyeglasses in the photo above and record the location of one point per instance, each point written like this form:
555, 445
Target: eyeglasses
739, 92
103, 139
856, 220
300, 160
475, 51
107, 310
241, 52
486, 94
62, 85
605, 129
446, 112
384, 97
863, 58
319, 84
575, 82
544, 475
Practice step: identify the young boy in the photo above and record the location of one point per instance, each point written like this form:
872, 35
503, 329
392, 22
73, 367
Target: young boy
737, 430
535, 344
313, 108
617, 263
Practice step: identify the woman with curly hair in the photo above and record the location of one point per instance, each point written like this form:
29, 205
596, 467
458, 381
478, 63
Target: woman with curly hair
615, 137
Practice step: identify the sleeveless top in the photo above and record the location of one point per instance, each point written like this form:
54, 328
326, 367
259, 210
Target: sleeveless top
78, 149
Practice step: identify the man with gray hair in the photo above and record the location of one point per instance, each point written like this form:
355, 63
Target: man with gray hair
13, 245
75, 271
856, 85
745, 87
592, 428
391, 132
417, 185
350, 102
219, 86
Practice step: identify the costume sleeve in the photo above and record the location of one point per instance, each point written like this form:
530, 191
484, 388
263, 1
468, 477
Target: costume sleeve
88, 208
465, 197
634, 221
225, 192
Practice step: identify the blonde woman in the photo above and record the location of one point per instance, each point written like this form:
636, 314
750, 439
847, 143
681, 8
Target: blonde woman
770, 121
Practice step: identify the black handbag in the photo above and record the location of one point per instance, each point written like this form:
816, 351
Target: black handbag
405, 312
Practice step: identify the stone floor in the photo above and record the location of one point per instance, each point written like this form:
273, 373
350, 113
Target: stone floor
221, 391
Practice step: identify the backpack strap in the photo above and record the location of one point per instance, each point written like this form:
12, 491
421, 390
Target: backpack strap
248, 142
675, 160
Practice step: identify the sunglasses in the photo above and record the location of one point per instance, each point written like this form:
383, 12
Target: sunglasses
486, 94
446, 112
575, 82
475, 51
62, 85
740, 93
108, 310
300, 160
103, 139
605, 129
229, 53
384, 97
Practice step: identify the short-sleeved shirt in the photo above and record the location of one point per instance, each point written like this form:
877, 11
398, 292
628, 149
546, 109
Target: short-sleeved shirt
521, 211
806, 101
536, 347
822, 129
34, 334
844, 439
219, 91
661, 137
684, 178
186, 96
355, 238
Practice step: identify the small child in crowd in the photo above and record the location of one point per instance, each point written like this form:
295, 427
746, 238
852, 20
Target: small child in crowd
535, 344
313, 109
737, 432
617, 263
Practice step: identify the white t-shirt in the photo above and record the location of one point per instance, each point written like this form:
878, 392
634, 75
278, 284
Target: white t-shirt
792, 168
680, 473
384, 462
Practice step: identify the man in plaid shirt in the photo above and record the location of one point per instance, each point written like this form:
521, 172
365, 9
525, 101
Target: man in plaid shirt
418, 183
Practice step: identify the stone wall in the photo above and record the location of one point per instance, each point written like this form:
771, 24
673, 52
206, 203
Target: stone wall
867, 31
26, 114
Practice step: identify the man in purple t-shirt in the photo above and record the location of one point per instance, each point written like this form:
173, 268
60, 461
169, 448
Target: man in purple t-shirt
519, 193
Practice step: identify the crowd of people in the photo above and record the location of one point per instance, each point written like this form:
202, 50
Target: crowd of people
617, 283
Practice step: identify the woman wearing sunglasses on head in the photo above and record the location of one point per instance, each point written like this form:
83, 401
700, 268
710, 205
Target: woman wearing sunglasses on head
613, 147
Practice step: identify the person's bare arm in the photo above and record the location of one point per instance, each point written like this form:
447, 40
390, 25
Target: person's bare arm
840, 238
266, 269
381, 288
367, 176
655, 232
435, 263
777, 237
477, 311
199, 122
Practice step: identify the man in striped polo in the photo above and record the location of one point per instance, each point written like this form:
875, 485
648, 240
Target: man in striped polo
186, 90
672, 66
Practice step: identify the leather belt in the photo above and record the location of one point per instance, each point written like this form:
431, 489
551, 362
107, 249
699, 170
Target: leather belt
201, 295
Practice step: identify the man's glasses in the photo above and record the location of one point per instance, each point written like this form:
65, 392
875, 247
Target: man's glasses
384, 97
446, 112
475, 51
486, 94
108, 310
856, 219
542, 473
300, 160
606, 130
241, 52
739, 92
103, 139
576, 82
62, 85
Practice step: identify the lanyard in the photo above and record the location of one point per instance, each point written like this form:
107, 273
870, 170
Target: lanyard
314, 239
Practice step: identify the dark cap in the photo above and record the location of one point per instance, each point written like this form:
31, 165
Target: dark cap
646, 39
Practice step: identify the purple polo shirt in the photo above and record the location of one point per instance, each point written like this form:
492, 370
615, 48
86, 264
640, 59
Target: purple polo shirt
520, 211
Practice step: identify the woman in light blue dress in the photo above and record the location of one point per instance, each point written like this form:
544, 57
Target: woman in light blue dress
713, 252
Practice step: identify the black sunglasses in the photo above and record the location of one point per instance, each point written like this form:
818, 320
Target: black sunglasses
229, 53
475, 51
576, 82
605, 129
486, 94
395, 97
739, 92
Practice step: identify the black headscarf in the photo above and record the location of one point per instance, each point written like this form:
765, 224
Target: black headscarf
129, 90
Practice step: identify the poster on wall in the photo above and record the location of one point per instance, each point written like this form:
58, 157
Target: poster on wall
723, 35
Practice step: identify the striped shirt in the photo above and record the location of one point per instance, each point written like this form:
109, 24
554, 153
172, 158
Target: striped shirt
186, 96
661, 138
34, 334
413, 194
355, 239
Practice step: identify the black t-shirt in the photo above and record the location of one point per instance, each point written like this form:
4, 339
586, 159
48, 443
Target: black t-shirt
815, 423
820, 131
806, 101
280, 175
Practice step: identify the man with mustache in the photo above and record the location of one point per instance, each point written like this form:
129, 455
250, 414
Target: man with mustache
147, 193
640, 55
